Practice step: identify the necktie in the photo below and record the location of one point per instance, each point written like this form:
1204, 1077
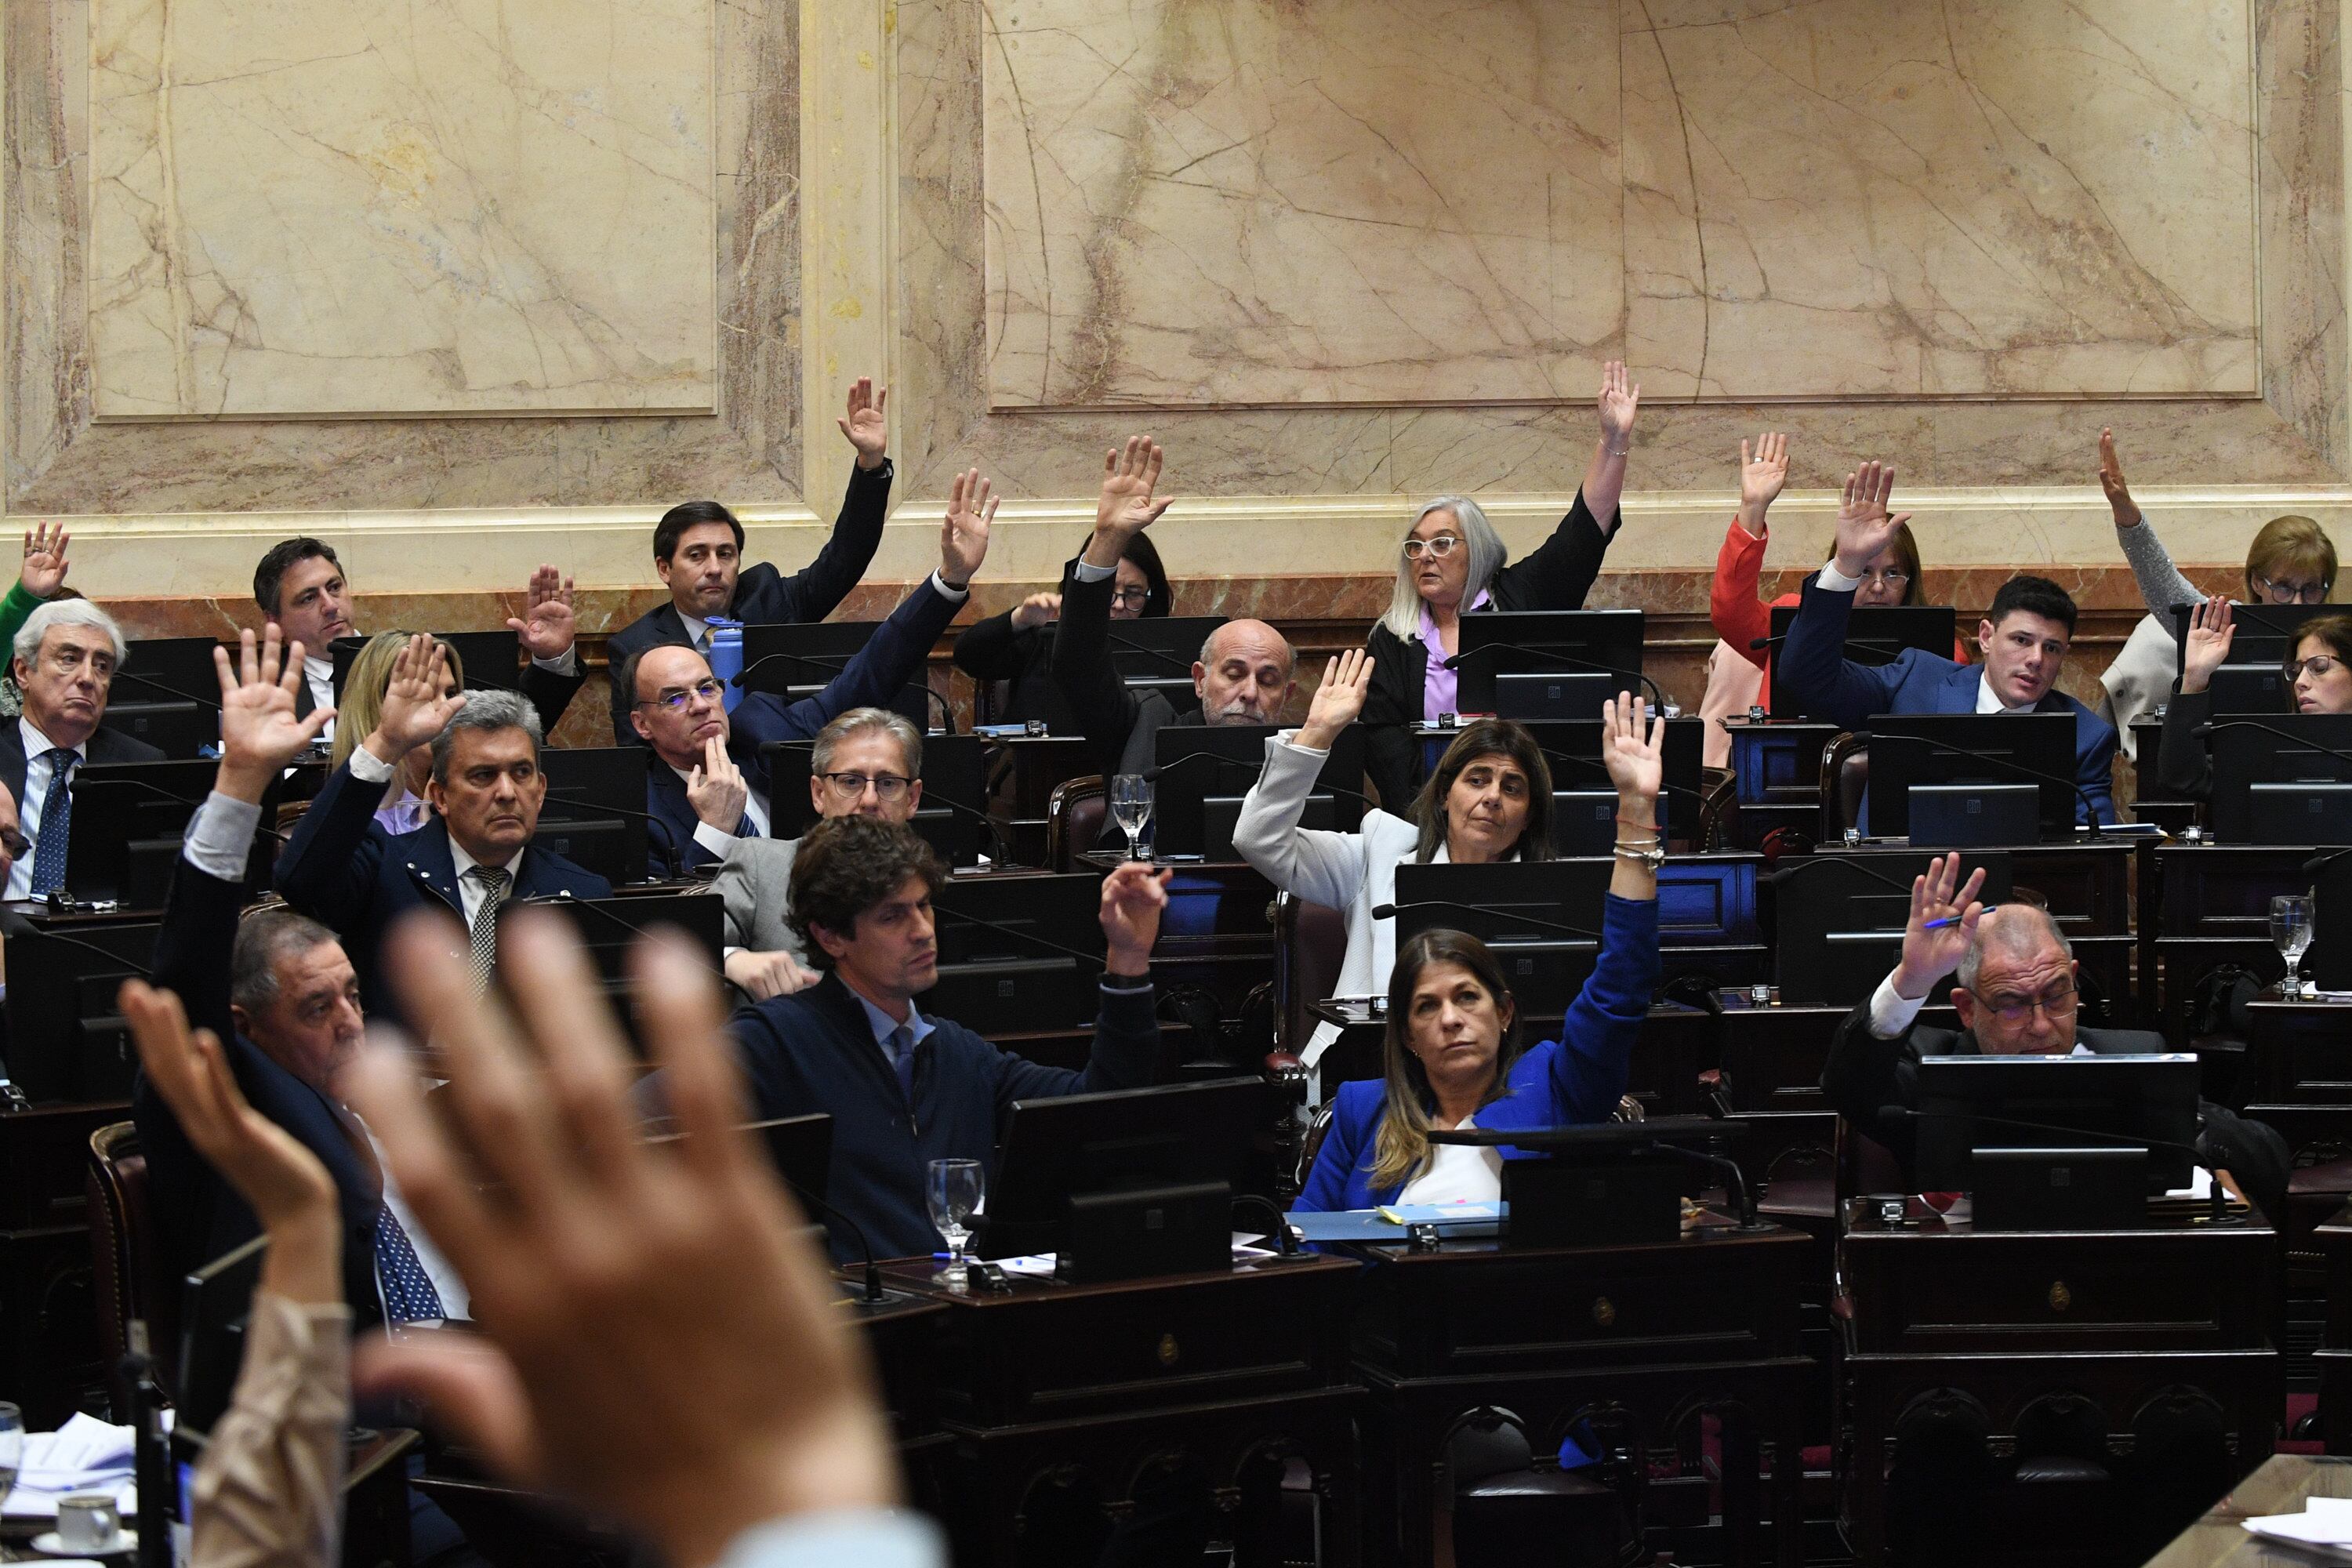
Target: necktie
485, 923
902, 1059
408, 1293
57, 820
702, 643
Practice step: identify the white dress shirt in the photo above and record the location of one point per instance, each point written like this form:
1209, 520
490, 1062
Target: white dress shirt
38, 770
319, 674
1458, 1173
697, 628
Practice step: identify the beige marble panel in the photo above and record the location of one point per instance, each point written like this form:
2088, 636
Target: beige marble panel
1370, 201
377, 206
1850, 198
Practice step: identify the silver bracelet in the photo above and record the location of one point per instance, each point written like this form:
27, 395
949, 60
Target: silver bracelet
1617, 451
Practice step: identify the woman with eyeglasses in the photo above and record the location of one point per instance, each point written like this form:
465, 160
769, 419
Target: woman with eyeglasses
2291, 562
2317, 675
1017, 645
1453, 563
1453, 1058
404, 809
1739, 672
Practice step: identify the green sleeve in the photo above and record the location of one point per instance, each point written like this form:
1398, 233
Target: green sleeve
16, 608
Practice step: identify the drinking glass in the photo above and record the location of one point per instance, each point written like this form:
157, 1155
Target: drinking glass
1130, 803
12, 1446
954, 1191
2291, 929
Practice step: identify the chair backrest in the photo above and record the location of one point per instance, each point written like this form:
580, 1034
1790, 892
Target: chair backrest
1845, 783
1864, 1164
129, 1273
1310, 942
1075, 815
1720, 801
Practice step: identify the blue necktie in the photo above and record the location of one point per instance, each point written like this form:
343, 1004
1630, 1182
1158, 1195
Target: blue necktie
408, 1293
902, 1058
57, 820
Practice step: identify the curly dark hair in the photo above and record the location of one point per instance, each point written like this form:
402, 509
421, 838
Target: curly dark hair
845, 867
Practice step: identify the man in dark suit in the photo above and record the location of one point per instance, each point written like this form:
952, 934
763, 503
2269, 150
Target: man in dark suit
2023, 639
904, 1090
473, 855
2015, 996
706, 783
698, 552
66, 655
1244, 675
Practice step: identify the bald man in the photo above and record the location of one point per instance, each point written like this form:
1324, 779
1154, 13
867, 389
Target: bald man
1245, 673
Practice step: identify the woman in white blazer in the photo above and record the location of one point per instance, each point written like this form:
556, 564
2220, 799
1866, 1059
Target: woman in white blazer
1489, 799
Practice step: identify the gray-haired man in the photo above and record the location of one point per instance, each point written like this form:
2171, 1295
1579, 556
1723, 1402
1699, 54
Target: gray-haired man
66, 655
475, 853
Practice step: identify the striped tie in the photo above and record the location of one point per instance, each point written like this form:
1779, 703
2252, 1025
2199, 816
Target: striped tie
493, 882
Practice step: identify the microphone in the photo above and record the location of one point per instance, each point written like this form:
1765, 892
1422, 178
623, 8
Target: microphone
837, 664
172, 691
996, 829
1780, 874
874, 1292
670, 856
1183, 666
569, 901
2018, 768
2204, 733
1388, 912
1604, 767
1734, 1180
13, 924
75, 784
1757, 645
2217, 1210
1189, 758
1015, 932
1658, 693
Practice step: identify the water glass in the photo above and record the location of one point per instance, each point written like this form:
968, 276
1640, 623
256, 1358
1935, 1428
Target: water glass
1131, 805
2291, 929
954, 1191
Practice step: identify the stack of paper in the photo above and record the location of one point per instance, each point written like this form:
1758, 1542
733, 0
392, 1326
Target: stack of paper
85, 1454
2326, 1522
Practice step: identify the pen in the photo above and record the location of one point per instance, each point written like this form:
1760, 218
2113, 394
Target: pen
1941, 922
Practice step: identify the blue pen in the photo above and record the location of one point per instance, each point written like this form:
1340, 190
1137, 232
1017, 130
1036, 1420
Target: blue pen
1942, 921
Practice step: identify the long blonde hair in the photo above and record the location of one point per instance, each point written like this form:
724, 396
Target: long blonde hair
363, 687
1401, 1149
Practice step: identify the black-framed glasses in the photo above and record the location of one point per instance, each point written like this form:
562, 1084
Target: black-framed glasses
2015, 1010
2318, 664
849, 786
1131, 599
1439, 548
709, 689
2294, 592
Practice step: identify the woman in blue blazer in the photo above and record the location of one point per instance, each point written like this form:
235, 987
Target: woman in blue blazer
1453, 1056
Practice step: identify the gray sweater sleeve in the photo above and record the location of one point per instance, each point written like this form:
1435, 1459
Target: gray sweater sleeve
2161, 585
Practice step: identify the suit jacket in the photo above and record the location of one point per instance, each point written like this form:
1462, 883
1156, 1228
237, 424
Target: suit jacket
349, 874
814, 1051
1556, 577
1831, 686
1864, 1074
892, 657
755, 882
764, 597
105, 746
991, 650
2188, 760
198, 1216
548, 693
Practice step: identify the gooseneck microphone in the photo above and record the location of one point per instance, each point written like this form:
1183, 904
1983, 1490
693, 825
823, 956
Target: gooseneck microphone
13, 924
1388, 912
2218, 1204
1658, 693
874, 1292
2017, 768
173, 692
670, 853
2205, 731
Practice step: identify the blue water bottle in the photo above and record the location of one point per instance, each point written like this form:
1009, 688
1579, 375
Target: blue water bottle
727, 656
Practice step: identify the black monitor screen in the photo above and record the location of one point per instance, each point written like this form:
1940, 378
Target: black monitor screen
1996, 748
2089, 1100
1874, 635
594, 815
797, 661
1197, 761
1544, 642
493, 660
2260, 633
2256, 762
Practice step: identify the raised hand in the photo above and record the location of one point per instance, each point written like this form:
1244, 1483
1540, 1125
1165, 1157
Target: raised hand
766, 974
1944, 916
655, 1335
2207, 648
1763, 470
546, 627
1036, 610
1634, 753
1132, 899
2111, 480
963, 537
44, 571
1863, 524
716, 788
1620, 396
415, 709
259, 734
867, 430
1126, 506
1347, 681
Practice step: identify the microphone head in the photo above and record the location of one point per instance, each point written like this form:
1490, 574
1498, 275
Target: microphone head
1897, 1113
1452, 663
1384, 911
1757, 645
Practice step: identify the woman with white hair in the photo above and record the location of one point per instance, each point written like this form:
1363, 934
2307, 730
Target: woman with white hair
1452, 562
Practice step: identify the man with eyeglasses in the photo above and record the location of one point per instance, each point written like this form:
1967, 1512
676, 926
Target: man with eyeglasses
2023, 639
66, 655
706, 783
2015, 996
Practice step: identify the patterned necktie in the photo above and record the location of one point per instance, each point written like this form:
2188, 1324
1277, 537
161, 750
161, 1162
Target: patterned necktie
408, 1293
902, 1059
486, 923
702, 643
57, 820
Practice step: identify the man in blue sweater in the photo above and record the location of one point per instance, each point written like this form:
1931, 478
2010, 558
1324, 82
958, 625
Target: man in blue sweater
904, 1090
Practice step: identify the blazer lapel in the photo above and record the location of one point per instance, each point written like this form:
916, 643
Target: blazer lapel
1961, 688
425, 854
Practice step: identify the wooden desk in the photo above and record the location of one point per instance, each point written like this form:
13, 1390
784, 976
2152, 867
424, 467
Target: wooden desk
2119, 1319
50, 1359
2334, 1357
2280, 1485
2149, 802
1776, 769
1023, 775
1217, 931
1668, 1333
1054, 1391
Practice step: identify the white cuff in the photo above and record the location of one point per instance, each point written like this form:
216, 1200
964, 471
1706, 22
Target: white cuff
871, 1538
1890, 1013
1835, 580
220, 838
1090, 573
369, 768
565, 663
710, 838
953, 595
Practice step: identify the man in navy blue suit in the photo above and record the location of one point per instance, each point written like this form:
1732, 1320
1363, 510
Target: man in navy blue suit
472, 856
2023, 638
706, 784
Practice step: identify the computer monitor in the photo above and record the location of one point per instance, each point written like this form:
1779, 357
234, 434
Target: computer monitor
1556, 694
1201, 772
129, 822
1513, 907
178, 730
66, 1037
1839, 921
1874, 635
799, 1147
1988, 758
1009, 949
1572, 749
797, 661
953, 817
1158, 655
609, 928
216, 1303
1603, 643
493, 660
167, 693
594, 815
2277, 781
1078, 1176
2238, 687
2087, 1101
2260, 633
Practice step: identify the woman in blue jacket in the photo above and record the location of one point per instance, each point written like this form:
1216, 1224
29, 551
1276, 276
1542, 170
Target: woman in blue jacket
1454, 1058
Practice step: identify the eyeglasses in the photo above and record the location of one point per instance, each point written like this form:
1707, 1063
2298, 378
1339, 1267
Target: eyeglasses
2293, 593
2318, 665
1892, 577
2015, 1010
708, 689
1131, 599
849, 786
1440, 547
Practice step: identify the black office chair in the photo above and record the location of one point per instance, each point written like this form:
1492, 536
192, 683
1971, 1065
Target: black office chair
1507, 1508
